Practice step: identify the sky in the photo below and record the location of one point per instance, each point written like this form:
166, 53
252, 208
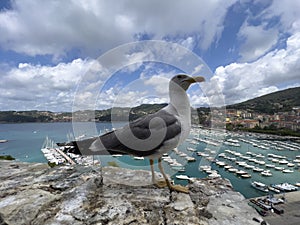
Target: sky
77, 54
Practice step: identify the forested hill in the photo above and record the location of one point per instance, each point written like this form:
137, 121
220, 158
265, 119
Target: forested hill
279, 101
275, 102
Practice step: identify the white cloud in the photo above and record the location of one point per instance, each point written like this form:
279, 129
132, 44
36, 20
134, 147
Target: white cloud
257, 41
274, 71
267, 29
37, 27
160, 84
288, 11
50, 86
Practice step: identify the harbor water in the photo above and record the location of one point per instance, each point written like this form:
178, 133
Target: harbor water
26, 139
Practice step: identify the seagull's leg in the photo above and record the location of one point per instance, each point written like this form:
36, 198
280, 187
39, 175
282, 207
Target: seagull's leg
159, 183
178, 188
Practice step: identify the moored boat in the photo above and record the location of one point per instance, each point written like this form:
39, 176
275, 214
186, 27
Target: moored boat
274, 189
138, 158
260, 186
257, 169
266, 173
270, 165
190, 159
233, 170
279, 168
247, 175
182, 177
285, 187
287, 171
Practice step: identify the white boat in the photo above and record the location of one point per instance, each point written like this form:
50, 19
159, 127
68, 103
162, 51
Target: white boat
205, 168
257, 169
190, 159
287, 171
249, 166
220, 163
275, 160
279, 168
176, 164
247, 175
270, 165
117, 155
182, 154
138, 158
285, 187
214, 175
283, 161
273, 189
298, 184
260, 186
240, 172
266, 173
222, 155
290, 164
260, 156
182, 177
227, 167
260, 162
191, 149
241, 163
233, 170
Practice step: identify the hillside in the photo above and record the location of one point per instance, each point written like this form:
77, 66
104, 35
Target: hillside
281, 101
278, 101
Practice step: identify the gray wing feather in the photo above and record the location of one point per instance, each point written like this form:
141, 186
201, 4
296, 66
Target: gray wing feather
109, 143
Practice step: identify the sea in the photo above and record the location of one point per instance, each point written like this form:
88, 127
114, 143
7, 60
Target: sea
25, 141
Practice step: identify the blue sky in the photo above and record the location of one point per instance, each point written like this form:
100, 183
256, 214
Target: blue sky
47, 50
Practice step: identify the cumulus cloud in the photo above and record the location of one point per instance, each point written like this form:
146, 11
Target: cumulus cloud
257, 41
51, 86
277, 69
269, 60
288, 13
54, 27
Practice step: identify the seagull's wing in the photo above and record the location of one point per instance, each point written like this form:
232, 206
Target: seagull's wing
135, 138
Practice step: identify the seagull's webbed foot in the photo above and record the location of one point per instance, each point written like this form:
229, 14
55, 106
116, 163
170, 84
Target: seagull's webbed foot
179, 188
161, 183
172, 187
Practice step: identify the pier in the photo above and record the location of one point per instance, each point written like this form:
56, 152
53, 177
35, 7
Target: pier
291, 206
65, 156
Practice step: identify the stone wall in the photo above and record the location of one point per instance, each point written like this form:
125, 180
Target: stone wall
37, 194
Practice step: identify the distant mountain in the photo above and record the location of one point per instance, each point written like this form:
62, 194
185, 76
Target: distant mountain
278, 101
275, 102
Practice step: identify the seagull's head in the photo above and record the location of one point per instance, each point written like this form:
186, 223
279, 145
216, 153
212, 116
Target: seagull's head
184, 81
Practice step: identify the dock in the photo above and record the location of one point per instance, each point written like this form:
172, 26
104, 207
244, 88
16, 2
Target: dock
65, 156
291, 206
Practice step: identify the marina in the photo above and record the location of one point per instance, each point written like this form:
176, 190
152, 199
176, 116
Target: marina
220, 159
203, 154
61, 155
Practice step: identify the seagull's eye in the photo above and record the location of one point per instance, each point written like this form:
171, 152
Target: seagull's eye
179, 76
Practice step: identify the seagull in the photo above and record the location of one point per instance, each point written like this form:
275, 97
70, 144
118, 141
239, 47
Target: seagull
150, 136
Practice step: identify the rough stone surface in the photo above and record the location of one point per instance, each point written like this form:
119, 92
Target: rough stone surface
36, 194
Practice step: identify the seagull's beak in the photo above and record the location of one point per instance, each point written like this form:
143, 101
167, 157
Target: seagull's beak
195, 79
